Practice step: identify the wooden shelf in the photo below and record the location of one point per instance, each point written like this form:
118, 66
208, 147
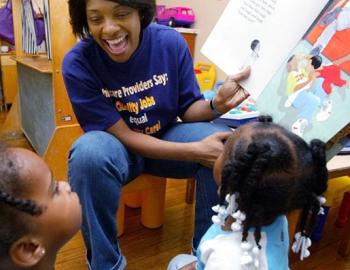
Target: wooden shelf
338, 166
38, 62
9, 77
44, 112
12, 53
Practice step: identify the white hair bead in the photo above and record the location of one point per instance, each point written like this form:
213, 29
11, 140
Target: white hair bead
246, 245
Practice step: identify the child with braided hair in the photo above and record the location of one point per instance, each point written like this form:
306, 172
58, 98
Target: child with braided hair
38, 215
265, 172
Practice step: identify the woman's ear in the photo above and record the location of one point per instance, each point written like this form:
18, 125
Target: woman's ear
26, 252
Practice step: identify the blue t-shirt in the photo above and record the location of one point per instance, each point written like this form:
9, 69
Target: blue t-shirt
149, 91
277, 243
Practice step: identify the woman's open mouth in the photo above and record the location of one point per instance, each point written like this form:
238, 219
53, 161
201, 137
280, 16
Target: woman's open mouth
117, 46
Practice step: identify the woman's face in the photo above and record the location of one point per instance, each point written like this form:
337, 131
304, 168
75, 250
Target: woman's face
114, 27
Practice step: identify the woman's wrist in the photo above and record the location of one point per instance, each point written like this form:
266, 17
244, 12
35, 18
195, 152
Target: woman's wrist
214, 108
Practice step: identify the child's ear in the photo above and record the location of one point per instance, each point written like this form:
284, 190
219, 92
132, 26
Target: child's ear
26, 252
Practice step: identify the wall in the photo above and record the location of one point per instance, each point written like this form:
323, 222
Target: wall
203, 22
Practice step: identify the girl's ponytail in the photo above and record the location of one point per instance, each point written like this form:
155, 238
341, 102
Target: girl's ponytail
313, 205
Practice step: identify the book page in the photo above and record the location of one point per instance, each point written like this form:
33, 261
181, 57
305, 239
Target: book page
310, 92
259, 33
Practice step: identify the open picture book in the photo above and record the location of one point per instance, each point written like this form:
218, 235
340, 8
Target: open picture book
299, 53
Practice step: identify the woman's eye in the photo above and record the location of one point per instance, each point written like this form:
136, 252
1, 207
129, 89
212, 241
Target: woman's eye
95, 20
122, 15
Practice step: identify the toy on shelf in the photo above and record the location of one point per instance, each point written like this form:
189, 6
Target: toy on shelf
247, 109
205, 74
245, 112
175, 16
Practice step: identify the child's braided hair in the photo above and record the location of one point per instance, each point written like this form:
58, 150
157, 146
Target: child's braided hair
14, 209
274, 171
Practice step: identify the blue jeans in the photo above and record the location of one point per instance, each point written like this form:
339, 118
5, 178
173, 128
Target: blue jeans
99, 165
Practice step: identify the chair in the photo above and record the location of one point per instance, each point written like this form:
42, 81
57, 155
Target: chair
147, 192
190, 190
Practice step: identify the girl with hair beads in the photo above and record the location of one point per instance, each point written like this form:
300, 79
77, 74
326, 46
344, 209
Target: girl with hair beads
38, 215
265, 172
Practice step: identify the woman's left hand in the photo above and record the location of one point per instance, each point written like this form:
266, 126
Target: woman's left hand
231, 94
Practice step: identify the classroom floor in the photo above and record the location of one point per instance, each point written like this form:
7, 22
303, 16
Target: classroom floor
152, 249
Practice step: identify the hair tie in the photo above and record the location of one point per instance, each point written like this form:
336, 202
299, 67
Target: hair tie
219, 219
302, 244
250, 251
322, 201
223, 211
239, 217
250, 255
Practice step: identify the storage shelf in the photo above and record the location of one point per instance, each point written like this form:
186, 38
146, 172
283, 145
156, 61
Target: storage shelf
38, 62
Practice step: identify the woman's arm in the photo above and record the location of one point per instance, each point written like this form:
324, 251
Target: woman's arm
204, 152
230, 95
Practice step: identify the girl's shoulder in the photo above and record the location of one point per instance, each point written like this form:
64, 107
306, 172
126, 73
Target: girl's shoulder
280, 222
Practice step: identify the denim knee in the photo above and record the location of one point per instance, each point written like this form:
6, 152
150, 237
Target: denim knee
98, 150
95, 172
91, 149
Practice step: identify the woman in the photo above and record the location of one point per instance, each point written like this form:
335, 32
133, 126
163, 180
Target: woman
128, 81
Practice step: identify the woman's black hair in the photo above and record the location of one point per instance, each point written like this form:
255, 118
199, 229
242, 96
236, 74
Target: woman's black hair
78, 20
274, 171
14, 209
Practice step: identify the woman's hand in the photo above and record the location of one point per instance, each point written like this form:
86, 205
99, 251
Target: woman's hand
231, 94
204, 152
210, 148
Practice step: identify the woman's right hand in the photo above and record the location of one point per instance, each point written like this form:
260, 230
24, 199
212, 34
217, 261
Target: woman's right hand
209, 149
